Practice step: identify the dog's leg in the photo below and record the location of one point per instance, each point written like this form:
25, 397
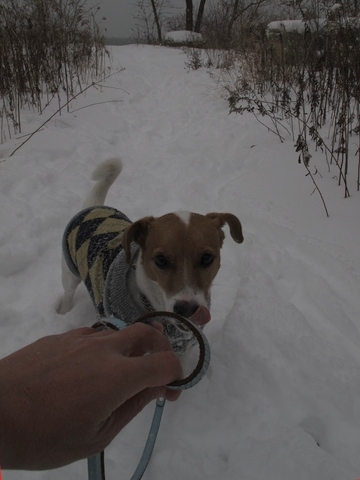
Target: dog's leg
70, 283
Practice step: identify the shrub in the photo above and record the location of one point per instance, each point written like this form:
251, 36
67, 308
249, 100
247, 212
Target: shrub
302, 81
46, 47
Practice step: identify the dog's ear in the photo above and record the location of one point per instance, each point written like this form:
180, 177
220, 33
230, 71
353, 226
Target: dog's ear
137, 232
219, 219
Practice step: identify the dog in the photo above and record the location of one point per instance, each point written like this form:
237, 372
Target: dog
154, 264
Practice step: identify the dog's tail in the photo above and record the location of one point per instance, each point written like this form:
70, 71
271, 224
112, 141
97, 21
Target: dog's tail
104, 175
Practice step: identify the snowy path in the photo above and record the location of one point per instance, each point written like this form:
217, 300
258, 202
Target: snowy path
281, 400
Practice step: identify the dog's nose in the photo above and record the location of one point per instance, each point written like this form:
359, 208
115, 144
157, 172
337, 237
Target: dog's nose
185, 309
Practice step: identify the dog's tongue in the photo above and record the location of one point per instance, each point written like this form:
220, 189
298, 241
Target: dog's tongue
201, 316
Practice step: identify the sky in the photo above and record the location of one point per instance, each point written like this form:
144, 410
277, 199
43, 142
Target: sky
119, 17
120, 21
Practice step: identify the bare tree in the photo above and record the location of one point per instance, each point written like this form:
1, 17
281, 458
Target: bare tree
199, 16
239, 8
151, 15
233, 23
189, 12
154, 5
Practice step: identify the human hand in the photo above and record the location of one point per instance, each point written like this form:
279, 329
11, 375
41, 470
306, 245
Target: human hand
65, 397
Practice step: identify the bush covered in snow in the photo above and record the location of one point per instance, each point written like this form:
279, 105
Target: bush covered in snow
183, 37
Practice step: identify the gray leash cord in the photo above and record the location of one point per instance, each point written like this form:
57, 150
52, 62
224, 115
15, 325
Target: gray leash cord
96, 464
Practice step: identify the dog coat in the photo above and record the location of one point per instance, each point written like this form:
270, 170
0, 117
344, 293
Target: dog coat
91, 247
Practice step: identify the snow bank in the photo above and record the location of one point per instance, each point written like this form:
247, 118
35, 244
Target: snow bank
183, 36
296, 26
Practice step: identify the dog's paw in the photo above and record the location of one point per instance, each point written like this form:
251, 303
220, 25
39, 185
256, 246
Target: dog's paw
64, 306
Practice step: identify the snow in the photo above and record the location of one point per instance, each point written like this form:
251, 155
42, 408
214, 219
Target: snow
296, 26
281, 398
180, 36
299, 26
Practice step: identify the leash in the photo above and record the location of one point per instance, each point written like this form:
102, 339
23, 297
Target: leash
96, 463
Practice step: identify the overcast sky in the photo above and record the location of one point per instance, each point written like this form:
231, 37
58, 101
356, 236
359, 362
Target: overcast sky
119, 17
120, 14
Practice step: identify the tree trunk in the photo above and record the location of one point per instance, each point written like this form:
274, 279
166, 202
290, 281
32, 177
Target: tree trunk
232, 20
157, 21
189, 15
199, 16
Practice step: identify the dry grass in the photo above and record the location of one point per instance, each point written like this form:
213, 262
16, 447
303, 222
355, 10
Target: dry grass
47, 48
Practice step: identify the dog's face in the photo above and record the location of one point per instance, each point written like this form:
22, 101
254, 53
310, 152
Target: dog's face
180, 257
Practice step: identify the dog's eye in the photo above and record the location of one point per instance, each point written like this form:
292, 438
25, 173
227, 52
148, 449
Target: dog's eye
161, 261
206, 259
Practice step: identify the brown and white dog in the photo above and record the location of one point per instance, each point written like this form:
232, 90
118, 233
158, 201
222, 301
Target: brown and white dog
176, 259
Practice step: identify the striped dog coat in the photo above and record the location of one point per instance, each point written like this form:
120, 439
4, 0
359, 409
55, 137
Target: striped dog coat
91, 246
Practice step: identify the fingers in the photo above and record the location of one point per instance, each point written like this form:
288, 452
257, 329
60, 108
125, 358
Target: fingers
79, 332
138, 333
154, 370
149, 359
140, 339
139, 354
157, 325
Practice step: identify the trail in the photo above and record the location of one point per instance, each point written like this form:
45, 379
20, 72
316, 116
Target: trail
281, 397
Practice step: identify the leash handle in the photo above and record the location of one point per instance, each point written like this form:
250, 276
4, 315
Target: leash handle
163, 318
204, 356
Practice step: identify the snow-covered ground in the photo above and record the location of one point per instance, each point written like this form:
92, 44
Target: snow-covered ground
281, 399
181, 36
